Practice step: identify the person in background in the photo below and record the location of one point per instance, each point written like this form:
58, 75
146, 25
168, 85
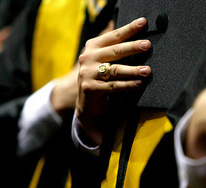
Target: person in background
190, 145
190, 132
39, 51
9, 11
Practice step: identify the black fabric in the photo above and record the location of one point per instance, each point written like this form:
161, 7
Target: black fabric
175, 29
194, 85
176, 46
15, 85
161, 169
58, 157
15, 79
9, 114
129, 135
24, 168
86, 170
9, 11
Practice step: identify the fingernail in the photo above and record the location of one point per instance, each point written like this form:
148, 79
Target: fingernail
140, 21
145, 45
138, 82
143, 71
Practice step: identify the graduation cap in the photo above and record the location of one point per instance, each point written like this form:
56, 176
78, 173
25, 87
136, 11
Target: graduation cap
177, 30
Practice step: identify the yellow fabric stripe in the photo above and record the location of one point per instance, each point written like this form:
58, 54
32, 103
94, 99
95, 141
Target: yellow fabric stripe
37, 173
151, 128
55, 43
111, 176
95, 9
56, 38
69, 181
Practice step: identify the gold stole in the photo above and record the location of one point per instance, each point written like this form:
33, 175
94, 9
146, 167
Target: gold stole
56, 39
55, 44
94, 8
151, 128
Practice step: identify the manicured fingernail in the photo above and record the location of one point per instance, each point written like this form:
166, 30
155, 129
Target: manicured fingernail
138, 82
143, 71
145, 45
140, 21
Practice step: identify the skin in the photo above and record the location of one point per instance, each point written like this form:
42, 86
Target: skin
64, 94
4, 33
196, 133
92, 102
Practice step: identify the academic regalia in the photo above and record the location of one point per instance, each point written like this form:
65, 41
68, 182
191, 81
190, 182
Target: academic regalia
172, 47
160, 170
145, 153
17, 83
9, 11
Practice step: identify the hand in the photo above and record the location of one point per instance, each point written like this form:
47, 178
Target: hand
64, 94
92, 103
196, 134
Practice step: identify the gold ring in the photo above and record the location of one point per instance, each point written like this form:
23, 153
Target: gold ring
103, 70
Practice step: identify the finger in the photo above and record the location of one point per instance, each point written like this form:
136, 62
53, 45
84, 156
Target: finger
119, 51
128, 72
121, 34
117, 86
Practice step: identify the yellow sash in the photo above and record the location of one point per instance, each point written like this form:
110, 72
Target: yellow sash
56, 38
111, 176
94, 8
150, 130
55, 43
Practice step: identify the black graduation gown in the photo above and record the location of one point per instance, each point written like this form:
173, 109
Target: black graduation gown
9, 11
15, 87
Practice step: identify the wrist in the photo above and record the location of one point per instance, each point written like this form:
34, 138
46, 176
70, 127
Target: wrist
94, 125
63, 98
91, 126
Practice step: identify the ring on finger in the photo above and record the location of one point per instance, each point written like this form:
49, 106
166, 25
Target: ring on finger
103, 71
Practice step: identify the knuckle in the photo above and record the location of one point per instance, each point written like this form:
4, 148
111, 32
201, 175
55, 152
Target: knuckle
86, 86
117, 34
85, 57
117, 51
82, 72
113, 86
114, 71
89, 43
81, 58
131, 85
